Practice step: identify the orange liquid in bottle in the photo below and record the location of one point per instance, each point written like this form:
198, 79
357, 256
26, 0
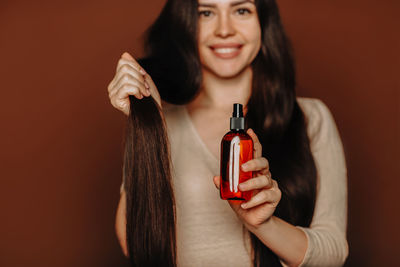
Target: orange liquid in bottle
236, 149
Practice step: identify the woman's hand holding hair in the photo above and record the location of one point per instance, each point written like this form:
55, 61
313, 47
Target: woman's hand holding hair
266, 193
130, 79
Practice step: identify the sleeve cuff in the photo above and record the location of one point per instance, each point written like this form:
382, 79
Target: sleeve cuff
307, 256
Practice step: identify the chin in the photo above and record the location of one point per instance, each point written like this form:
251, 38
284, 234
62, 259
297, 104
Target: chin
226, 73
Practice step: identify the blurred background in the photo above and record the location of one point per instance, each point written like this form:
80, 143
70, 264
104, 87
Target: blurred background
61, 139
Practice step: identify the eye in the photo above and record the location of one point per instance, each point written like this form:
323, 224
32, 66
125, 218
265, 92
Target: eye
243, 11
205, 13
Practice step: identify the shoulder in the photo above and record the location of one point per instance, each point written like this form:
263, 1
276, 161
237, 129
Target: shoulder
320, 122
314, 109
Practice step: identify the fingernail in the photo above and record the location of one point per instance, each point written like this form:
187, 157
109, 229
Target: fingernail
243, 206
146, 84
142, 71
244, 166
242, 186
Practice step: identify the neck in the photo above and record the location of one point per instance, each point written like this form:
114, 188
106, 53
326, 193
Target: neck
221, 93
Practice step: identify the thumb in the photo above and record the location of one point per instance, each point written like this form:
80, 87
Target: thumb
217, 181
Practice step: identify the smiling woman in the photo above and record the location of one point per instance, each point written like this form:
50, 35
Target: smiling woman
203, 57
229, 36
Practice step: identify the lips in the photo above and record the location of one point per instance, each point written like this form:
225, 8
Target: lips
226, 51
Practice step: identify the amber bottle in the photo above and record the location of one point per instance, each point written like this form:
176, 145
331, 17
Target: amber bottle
236, 149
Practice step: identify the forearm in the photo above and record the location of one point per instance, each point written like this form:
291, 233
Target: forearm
287, 241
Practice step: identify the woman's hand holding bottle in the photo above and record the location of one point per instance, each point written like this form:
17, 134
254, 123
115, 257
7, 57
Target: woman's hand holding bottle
266, 192
130, 79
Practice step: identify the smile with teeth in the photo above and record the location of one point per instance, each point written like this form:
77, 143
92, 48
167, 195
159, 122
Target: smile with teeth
227, 52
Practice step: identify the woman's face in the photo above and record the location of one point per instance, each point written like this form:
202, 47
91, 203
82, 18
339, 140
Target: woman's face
229, 36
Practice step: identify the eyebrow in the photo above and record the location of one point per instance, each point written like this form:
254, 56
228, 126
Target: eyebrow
232, 4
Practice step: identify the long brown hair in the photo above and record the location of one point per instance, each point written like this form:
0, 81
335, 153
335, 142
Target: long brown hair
150, 210
273, 111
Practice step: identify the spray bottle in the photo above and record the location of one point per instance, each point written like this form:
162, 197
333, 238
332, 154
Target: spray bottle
236, 149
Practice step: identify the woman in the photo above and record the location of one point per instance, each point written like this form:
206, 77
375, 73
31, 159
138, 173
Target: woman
203, 56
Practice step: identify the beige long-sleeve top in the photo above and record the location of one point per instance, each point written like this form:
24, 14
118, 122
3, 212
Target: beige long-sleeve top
208, 231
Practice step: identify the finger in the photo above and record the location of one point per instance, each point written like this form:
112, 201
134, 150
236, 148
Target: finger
256, 143
130, 78
153, 88
129, 81
217, 181
260, 182
121, 104
256, 164
126, 60
149, 81
130, 63
126, 68
121, 101
129, 58
123, 94
264, 196
123, 63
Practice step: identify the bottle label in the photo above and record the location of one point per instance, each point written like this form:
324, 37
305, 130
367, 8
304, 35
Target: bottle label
234, 164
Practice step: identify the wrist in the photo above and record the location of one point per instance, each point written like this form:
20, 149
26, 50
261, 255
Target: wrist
265, 226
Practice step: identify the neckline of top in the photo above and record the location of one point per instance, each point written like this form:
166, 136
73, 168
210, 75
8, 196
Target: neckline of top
196, 134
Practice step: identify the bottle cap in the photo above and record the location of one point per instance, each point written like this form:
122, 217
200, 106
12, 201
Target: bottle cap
237, 120
237, 110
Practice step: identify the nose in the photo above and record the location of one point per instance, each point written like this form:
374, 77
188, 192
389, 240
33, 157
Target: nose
225, 27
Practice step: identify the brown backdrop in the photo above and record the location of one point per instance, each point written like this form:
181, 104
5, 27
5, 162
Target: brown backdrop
62, 140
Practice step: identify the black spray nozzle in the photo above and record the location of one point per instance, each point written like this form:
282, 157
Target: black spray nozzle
237, 110
237, 120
